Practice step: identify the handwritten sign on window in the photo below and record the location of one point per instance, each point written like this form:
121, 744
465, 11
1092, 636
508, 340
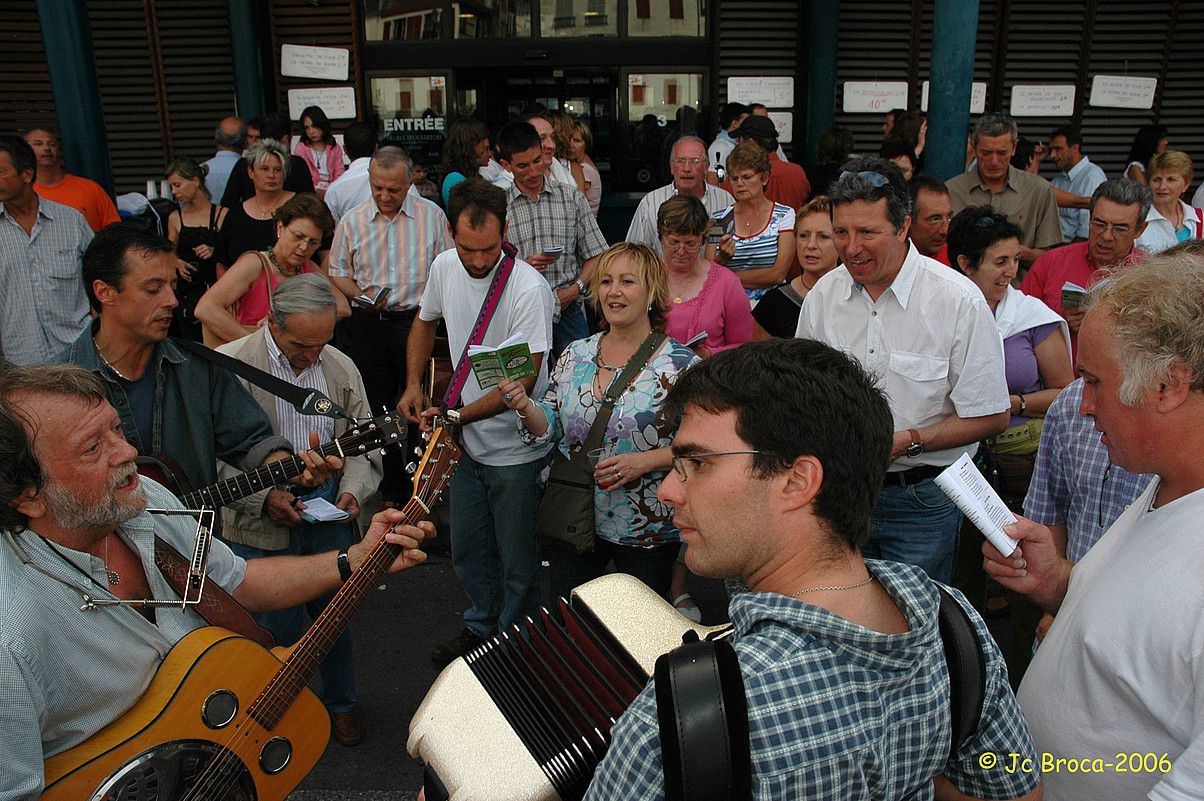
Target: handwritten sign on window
874, 97
1042, 100
318, 63
337, 101
1123, 91
774, 91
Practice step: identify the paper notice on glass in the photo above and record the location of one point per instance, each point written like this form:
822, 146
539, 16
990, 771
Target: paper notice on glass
979, 502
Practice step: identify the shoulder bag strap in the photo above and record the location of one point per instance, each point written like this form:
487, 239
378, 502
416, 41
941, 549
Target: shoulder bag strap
634, 365
492, 299
217, 606
967, 669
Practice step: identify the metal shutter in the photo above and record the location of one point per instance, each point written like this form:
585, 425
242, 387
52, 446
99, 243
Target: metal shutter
761, 38
28, 99
316, 23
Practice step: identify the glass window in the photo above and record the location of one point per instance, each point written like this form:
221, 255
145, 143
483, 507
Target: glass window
661, 107
403, 20
413, 114
578, 18
667, 18
492, 19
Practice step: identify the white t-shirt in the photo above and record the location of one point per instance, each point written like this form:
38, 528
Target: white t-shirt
930, 340
525, 306
1122, 669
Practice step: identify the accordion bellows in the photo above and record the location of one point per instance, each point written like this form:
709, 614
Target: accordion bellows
527, 716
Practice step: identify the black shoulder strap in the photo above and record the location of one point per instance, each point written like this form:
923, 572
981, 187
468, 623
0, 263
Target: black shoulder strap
967, 669
703, 720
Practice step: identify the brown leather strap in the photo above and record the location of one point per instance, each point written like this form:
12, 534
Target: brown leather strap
217, 606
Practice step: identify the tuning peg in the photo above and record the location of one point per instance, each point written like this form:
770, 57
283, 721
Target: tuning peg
383, 452
411, 468
418, 451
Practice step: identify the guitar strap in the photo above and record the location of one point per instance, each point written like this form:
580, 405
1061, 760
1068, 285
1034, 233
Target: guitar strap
492, 298
217, 606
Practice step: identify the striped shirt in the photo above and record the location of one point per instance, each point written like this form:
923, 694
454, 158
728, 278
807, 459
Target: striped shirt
43, 306
760, 249
643, 225
373, 250
291, 424
561, 217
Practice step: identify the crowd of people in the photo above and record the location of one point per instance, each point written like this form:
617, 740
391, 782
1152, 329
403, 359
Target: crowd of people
775, 367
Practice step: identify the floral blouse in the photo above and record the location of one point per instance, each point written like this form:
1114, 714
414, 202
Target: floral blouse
630, 515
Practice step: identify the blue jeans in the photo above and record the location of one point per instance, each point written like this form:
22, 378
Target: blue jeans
493, 543
571, 327
918, 525
287, 625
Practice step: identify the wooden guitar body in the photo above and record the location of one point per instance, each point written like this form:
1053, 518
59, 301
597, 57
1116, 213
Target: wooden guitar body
167, 750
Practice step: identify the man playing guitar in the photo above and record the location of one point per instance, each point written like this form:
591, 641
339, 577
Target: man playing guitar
74, 526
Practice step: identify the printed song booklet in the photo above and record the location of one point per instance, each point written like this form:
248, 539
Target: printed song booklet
511, 359
973, 494
1073, 295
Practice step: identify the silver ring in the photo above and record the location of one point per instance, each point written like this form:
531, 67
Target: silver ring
506, 397
618, 473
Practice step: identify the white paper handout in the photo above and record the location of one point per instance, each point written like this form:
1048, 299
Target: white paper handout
977, 499
320, 510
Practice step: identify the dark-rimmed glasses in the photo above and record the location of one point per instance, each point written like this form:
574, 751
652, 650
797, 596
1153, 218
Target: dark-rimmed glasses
679, 462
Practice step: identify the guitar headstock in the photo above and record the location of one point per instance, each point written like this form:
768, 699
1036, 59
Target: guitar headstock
436, 466
387, 429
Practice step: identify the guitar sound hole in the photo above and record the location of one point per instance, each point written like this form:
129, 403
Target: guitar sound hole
180, 769
219, 708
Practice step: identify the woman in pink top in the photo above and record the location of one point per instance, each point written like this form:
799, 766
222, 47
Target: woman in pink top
319, 149
238, 303
706, 298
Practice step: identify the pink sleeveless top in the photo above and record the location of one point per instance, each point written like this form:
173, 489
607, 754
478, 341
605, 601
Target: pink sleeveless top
253, 306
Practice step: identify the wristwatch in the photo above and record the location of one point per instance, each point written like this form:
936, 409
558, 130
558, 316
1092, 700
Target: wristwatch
917, 445
581, 287
344, 563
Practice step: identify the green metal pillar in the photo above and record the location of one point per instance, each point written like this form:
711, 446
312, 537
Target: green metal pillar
248, 70
822, 18
954, 33
67, 39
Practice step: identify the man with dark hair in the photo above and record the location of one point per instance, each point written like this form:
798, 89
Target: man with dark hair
493, 489
169, 401
230, 136
888, 122
928, 335
1026, 199
352, 188
386, 245
688, 165
552, 168
253, 126
730, 117
552, 227
296, 177
778, 459
42, 305
53, 182
1077, 176
74, 526
930, 221
1118, 211
788, 182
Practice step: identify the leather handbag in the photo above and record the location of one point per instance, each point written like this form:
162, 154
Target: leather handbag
566, 511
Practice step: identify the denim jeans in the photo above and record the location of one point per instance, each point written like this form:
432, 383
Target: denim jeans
287, 625
915, 524
493, 545
652, 566
569, 328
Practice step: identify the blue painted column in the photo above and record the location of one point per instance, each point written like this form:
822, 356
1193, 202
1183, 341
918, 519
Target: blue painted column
822, 18
954, 33
67, 39
248, 69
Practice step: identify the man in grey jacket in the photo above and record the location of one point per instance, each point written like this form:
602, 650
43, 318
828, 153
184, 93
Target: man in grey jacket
292, 346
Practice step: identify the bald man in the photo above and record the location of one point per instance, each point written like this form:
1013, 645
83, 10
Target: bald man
230, 136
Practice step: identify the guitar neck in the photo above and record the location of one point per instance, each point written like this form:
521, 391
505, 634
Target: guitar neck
261, 478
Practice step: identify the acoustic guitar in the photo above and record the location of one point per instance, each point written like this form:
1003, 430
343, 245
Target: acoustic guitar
225, 719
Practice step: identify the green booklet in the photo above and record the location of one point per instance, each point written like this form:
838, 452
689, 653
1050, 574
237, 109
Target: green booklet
511, 359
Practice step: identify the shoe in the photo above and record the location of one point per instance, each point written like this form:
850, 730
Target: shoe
443, 655
347, 728
685, 605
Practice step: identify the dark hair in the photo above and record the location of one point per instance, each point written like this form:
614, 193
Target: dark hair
1125, 192
105, 257
275, 126
20, 152
359, 140
682, 215
305, 206
847, 189
478, 199
907, 127
834, 145
188, 169
1025, 148
970, 236
730, 112
1145, 144
516, 137
459, 146
800, 397
19, 468
256, 123
893, 146
1073, 135
924, 181
320, 121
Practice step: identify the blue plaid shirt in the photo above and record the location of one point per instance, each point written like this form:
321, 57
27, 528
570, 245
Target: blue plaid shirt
1074, 482
838, 711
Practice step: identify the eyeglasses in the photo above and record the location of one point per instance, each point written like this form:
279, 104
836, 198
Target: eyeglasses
679, 462
681, 247
695, 162
313, 243
1102, 227
874, 179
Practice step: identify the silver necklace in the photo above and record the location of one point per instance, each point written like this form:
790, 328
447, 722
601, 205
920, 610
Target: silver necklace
113, 576
109, 365
832, 587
